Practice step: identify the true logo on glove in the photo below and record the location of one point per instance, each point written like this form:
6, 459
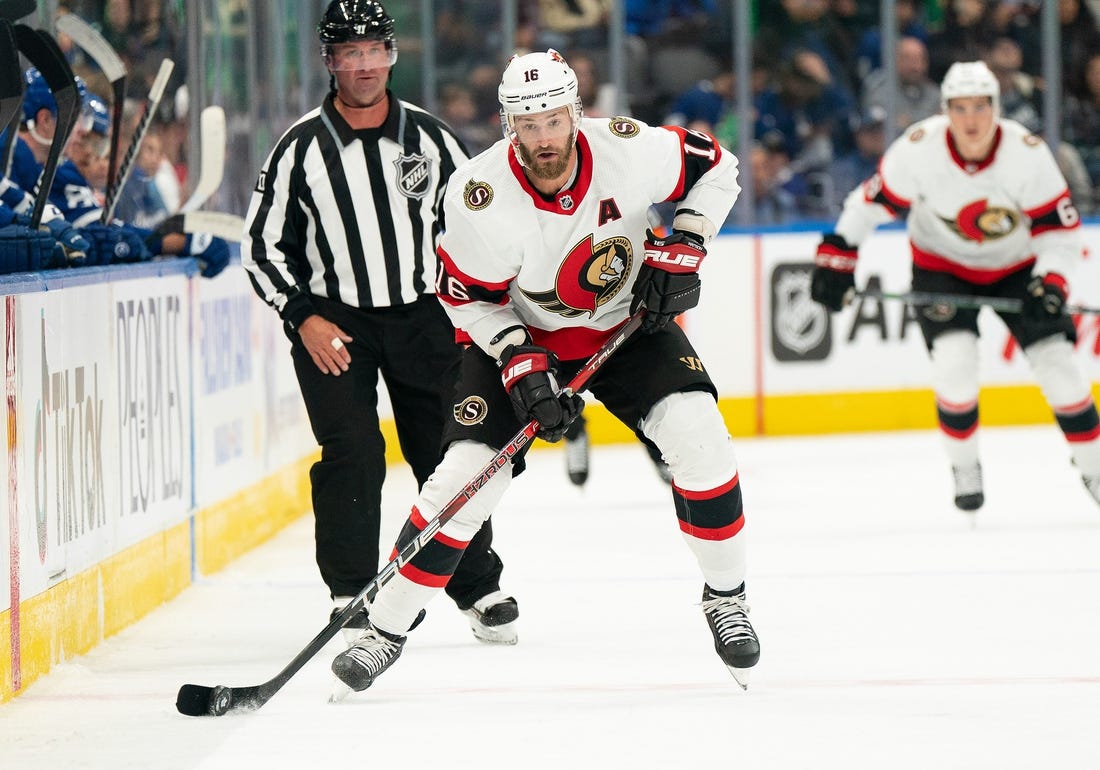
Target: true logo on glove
665, 259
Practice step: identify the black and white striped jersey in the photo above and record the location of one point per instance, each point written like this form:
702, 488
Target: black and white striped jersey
352, 215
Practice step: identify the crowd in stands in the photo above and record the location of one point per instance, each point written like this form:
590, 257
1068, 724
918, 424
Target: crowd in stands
820, 92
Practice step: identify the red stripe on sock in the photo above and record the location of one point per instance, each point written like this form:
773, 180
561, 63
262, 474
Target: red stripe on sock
706, 494
422, 578
721, 533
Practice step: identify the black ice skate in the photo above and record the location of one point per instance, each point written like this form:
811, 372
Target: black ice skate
371, 654
969, 495
493, 618
734, 638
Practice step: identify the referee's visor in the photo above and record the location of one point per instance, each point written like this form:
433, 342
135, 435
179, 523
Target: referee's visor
359, 55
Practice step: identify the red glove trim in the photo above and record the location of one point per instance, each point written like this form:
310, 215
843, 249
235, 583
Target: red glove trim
521, 365
674, 258
841, 260
1057, 281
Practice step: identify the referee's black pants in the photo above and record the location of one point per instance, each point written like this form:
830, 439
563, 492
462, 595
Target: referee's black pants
413, 348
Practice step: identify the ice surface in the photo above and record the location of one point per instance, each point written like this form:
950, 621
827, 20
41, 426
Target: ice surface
894, 633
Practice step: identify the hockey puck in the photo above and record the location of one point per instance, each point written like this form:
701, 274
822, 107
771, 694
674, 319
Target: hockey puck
221, 699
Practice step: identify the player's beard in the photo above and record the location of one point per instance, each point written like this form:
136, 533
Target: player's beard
547, 169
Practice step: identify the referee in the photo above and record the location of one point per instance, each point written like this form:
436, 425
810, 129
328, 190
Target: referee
340, 239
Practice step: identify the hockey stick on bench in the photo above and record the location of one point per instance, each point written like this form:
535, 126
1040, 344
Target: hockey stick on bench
211, 158
127, 165
43, 52
198, 700
107, 59
11, 78
1000, 304
218, 223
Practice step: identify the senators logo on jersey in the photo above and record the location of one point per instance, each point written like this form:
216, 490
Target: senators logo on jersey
477, 195
588, 277
978, 221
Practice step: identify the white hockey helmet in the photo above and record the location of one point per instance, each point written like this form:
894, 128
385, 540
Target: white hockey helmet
534, 83
970, 78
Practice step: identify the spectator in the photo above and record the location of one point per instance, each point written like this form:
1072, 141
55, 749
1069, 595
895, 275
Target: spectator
848, 170
597, 96
458, 110
917, 96
807, 110
778, 192
1080, 39
869, 47
573, 23
1021, 98
140, 201
967, 35
1081, 121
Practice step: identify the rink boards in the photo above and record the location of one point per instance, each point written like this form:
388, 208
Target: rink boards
155, 430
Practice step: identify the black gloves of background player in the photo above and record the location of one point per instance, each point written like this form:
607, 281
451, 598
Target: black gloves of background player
1046, 296
833, 278
668, 282
530, 376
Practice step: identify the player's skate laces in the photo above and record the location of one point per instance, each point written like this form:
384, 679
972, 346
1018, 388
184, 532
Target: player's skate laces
371, 654
493, 618
576, 455
969, 495
734, 638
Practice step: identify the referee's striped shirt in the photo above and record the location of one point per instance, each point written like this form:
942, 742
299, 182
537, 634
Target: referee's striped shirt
352, 215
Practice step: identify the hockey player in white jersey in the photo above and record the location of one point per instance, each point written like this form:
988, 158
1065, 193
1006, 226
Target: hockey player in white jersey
989, 214
544, 257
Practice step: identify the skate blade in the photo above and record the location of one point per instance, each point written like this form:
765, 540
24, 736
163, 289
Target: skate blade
505, 634
339, 692
741, 676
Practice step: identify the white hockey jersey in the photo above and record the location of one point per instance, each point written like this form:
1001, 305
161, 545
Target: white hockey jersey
564, 266
977, 221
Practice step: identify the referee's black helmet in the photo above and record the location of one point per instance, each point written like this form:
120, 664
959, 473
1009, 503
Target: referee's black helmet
346, 21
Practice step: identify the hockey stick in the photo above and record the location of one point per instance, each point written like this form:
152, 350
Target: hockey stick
1000, 304
96, 46
17, 9
43, 52
11, 80
227, 226
127, 165
211, 158
198, 700
12, 84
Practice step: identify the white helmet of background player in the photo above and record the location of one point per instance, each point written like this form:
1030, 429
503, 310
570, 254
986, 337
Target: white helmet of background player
534, 83
970, 78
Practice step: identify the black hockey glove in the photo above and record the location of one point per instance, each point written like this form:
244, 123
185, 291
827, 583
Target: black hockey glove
668, 281
529, 374
1046, 296
833, 278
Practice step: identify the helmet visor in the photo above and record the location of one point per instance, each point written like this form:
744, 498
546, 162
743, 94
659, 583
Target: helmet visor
359, 55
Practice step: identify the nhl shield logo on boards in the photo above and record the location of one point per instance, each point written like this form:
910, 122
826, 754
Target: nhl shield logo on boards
414, 175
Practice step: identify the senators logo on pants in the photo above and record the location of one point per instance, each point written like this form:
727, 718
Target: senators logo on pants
590, 276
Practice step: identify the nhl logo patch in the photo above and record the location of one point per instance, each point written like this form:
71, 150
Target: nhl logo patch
414, 175
623, 127
471, 410
566, 202
477, 195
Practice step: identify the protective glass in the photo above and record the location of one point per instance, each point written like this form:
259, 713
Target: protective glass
361, 55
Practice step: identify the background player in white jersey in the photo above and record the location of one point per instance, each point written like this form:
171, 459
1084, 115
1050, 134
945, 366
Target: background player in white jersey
989, 214
544, 257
